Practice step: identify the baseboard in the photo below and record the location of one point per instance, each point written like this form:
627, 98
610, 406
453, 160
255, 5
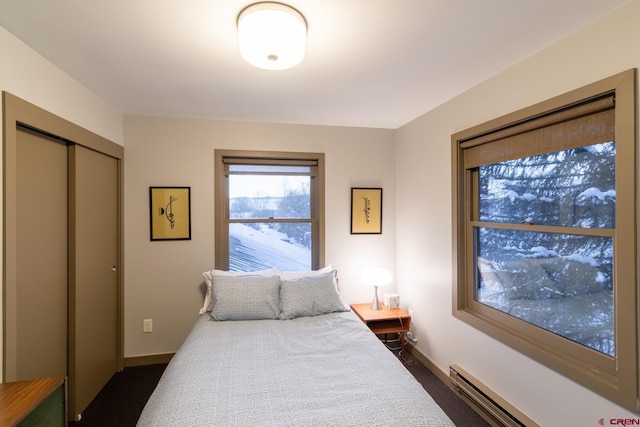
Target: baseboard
444, 377
516, 417
152, 359
476, 393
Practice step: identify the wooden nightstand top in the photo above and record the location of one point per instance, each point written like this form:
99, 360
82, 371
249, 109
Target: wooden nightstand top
383, 321
365, 313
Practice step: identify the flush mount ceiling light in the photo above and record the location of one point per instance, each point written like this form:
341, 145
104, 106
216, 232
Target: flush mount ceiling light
272, 35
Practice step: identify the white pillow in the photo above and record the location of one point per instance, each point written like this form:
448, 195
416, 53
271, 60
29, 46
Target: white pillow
209, 275
310, 296
246, 297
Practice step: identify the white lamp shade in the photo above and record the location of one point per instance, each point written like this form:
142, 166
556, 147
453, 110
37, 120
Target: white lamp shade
272, 36
376, 276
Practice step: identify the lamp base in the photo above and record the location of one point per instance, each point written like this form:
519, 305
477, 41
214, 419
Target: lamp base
375, 305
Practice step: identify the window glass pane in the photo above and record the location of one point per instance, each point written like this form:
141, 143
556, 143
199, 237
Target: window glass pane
269, 196
258, 246
560, 282
572, 188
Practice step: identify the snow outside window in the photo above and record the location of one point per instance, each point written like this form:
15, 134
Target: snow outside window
555, 280
256, 240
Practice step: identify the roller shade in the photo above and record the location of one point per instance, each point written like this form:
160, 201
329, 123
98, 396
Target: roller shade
587, 123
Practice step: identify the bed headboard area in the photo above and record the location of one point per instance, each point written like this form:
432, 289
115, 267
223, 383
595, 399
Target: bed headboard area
271, 294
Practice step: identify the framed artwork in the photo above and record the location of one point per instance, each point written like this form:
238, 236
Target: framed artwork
170, 213
366, 211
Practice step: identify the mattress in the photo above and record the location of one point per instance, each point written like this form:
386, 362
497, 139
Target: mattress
326, 370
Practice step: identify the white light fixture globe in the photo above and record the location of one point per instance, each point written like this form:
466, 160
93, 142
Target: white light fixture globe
375, 277
272, 35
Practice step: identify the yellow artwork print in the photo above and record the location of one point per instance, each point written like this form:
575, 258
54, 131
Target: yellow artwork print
366, 210
170, 213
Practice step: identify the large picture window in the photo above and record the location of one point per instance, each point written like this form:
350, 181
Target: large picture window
545, 236
268, 210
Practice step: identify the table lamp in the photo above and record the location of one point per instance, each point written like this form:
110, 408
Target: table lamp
375, 277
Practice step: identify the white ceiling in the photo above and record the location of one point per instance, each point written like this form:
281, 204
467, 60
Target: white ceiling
371, 63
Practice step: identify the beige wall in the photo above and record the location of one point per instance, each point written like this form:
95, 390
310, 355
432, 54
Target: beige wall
28, 75
423, 199
163, 279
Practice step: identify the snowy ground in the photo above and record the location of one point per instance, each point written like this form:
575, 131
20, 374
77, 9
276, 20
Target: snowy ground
250, 249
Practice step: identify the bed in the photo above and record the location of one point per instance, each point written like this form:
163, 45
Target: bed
278, 350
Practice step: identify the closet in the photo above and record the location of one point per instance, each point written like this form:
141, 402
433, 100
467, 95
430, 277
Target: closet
62, 252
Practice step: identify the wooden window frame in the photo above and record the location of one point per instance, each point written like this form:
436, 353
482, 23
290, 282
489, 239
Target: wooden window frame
615, 378
221, 190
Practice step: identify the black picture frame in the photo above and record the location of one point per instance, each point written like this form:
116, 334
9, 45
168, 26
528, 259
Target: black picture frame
170, 213
366, 210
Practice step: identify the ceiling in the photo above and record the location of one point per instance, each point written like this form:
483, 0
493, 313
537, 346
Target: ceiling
369, 63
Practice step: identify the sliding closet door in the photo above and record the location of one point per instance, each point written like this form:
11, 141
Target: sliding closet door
38, 319
93, 320
63, 258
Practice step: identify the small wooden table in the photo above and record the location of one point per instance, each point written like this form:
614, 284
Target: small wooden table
385, 321
38, 402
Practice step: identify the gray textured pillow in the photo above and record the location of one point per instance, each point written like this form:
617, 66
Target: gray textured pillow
310, 296
209, 277
246, 297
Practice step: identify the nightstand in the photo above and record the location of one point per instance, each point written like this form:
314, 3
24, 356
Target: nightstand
385, 321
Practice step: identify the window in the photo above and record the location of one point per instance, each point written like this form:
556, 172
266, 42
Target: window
545, 234
269, 209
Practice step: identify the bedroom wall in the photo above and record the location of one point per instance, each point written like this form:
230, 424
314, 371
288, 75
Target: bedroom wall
423, 202
164, 278
28, 75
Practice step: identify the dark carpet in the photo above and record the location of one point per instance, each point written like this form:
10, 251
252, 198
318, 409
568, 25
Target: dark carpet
120, 402
459, 412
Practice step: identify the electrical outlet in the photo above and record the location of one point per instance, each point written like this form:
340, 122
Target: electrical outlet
147, 325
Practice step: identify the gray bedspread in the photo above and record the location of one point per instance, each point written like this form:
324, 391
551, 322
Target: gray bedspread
328, 370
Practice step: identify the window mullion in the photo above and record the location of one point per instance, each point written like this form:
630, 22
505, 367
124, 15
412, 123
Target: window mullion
602, 232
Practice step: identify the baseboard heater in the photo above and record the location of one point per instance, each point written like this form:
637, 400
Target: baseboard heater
483, 400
